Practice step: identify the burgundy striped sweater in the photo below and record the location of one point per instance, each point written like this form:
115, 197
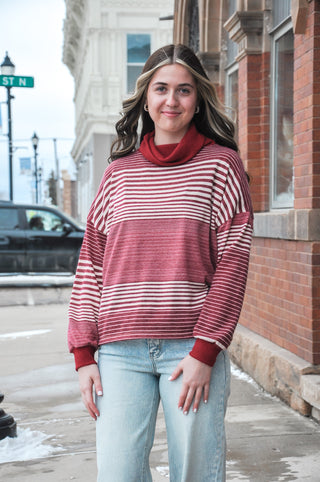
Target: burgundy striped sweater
165, 254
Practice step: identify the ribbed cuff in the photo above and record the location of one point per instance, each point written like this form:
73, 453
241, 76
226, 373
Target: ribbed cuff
84, 356
205, 351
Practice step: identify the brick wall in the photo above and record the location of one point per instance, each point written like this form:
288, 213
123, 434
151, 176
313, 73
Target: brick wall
316, 301
282, 298
69, 194
307, 112
254, 122
283, 294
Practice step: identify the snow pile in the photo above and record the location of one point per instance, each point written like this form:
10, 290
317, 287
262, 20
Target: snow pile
27, 445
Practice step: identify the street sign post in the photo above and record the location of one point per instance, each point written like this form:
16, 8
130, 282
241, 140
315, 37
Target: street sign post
9, 81
16, 81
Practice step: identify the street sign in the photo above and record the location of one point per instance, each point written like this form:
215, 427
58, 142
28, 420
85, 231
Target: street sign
16, 81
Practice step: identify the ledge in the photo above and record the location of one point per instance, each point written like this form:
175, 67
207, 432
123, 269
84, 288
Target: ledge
279, 372
291, 224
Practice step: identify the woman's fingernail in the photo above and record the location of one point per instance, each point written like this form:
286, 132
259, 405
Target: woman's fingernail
99, 393
180, 408
205, 401
170, 378
185, 412
195, 410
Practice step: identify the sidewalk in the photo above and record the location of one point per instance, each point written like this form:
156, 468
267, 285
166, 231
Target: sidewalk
267, 441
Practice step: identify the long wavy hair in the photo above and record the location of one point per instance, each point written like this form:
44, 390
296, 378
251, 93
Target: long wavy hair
210, 121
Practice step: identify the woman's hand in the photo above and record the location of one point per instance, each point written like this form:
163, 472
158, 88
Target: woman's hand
195, 383
88, 376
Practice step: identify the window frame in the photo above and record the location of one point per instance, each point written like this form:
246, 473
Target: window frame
134, 64
276, 35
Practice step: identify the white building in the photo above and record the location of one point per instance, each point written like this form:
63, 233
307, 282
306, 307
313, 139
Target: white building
106, 43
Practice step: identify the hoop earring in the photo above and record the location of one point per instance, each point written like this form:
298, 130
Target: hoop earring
146, 107
197, 110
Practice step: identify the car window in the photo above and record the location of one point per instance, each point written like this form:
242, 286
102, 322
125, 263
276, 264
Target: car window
40, 220
9, 218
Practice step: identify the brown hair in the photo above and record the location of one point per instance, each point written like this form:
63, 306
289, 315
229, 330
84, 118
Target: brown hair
211, 120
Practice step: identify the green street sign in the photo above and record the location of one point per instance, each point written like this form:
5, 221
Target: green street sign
16, 81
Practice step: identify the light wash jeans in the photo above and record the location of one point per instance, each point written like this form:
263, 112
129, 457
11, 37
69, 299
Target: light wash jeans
134, 376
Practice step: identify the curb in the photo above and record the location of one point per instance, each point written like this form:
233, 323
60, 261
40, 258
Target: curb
34, 295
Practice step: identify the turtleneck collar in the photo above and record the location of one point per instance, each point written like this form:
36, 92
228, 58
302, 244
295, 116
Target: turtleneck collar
174, 154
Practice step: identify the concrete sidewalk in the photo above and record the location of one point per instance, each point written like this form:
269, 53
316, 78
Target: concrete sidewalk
267, 441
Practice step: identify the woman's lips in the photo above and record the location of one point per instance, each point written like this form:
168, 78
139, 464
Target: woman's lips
170, 113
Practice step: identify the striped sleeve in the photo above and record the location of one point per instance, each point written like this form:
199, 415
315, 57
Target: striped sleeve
232, 227
85, 299
86, 293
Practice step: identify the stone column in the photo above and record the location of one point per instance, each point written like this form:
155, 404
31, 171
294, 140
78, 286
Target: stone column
246, 28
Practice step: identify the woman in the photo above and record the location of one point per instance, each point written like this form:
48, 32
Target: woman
161, 277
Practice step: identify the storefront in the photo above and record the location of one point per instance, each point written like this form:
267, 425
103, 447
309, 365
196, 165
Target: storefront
264, 58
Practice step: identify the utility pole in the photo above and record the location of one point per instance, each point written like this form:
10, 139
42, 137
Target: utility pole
35, 142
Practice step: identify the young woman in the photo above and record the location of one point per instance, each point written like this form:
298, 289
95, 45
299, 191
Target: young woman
161, 277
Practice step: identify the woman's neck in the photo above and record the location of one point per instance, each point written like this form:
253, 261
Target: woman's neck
172, 152
161, 138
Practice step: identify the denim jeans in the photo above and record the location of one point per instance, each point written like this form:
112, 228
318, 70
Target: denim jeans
134, 376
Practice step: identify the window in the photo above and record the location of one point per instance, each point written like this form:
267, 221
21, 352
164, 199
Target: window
44, 220
282, 118
9, 219
232, 93
280, 11
138, 50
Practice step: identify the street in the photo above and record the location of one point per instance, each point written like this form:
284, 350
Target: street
267, 441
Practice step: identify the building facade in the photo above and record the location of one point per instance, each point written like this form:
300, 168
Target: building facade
264, 58
106, 43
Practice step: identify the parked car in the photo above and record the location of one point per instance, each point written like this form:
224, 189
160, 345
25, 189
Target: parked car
38, 239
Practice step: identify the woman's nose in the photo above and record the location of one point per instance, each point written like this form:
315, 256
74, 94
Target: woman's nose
172, 98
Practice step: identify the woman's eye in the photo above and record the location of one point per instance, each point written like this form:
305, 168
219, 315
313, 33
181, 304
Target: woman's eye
160, 89
184, 91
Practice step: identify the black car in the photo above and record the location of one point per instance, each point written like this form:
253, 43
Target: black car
38, 239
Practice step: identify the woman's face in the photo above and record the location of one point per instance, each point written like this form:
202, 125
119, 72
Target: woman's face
172, 101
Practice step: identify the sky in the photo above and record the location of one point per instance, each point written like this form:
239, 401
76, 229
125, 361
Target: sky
32, 33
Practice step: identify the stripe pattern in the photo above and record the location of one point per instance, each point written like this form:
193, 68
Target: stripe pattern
165, 253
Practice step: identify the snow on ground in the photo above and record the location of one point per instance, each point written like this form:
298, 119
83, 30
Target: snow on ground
240, 375
23, 334
28, 445
36, 279
163, 471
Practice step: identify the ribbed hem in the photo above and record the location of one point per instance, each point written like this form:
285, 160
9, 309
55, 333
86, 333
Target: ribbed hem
84, 356
205, 351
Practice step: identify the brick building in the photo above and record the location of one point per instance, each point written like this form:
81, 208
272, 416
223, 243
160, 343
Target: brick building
264, 58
